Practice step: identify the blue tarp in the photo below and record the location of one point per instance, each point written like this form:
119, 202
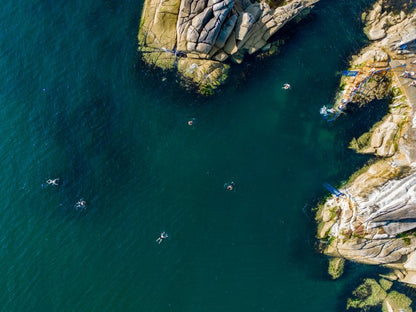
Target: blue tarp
350, 73
333, 190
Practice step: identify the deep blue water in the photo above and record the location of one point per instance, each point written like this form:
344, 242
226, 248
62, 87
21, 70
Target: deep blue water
78, 104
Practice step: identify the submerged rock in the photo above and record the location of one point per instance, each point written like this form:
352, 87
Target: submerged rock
196, 37
397, 302
372, 294
368, 294
385, 284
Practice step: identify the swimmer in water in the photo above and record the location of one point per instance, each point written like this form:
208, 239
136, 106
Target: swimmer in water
162, 236
229, 186
81, 204
52, 182
286, 86
191, 122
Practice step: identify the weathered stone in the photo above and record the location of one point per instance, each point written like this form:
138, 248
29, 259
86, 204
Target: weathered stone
244, 23
231, 45
376, 32
221, 57
206, 73
237, 58
158, 26
209, 29
225, 32
376, 221
200, 20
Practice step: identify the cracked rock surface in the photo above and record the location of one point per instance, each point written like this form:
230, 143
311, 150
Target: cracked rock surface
374, 222
196, 37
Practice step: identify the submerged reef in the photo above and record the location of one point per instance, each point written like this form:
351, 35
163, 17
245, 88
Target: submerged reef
373, 218
372, 294
199, 38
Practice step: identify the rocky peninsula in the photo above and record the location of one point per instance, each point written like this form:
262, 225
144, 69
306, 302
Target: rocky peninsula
200, 38
373, 220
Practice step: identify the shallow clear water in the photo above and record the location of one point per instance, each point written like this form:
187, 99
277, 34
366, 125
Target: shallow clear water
76, 103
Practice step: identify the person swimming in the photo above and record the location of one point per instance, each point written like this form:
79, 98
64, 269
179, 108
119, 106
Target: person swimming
52, 182
191, 122
162, 236
286, 86
81, 204
229, 186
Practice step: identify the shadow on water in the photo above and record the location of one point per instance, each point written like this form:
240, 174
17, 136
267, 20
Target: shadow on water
357, 120
353, 124
100, 160
296, 36
168, 84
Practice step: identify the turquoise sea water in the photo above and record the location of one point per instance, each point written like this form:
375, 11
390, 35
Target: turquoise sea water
76, 103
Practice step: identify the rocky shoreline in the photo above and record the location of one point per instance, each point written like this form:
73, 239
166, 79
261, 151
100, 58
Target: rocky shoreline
374, 221
199, 39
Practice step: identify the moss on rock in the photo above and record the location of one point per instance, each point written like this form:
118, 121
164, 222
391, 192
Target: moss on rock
364, 141
385, 284
206, 74
396, 301
368, 294
336, 267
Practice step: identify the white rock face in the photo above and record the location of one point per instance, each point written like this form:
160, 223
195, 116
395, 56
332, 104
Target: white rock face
222, 22
375, 221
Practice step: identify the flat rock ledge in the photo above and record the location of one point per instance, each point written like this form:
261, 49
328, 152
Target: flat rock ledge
198, 38
374, 222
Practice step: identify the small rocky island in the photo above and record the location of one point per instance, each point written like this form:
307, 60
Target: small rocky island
372, 219
200, 38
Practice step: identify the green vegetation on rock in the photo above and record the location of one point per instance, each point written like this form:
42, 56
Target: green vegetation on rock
371, 294
368, 294
362, 142
336, 267
396, 91
385, 284
396, 301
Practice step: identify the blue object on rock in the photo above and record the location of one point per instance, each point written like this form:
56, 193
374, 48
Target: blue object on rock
350, 73
333, 190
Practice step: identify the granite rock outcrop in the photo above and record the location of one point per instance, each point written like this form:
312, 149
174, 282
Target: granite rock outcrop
198, 38
374, 221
